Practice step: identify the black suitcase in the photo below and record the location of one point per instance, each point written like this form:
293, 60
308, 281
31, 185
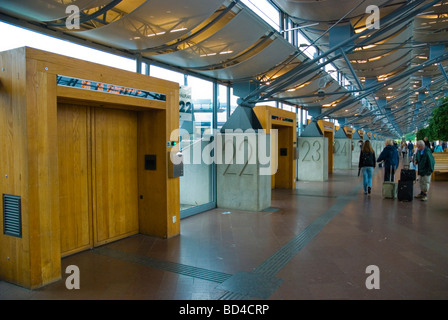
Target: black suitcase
405, 190
408, 175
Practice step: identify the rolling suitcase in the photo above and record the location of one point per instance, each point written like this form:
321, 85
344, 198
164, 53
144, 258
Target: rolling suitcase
405, 190
408, 175
390, 189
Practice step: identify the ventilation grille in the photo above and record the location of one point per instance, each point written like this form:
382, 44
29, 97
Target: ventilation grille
12, 220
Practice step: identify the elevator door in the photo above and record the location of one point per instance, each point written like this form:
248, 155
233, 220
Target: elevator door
98, 175
283, 178
74, 169
115, 172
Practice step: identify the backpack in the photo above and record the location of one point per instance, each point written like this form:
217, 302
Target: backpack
366, 159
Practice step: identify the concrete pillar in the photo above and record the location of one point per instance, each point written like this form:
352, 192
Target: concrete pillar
244, 173
342, 151
356, 149
380, 145
313, 158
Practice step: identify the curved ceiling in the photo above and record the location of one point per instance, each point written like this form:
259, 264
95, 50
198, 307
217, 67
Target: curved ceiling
409, 34
396, 68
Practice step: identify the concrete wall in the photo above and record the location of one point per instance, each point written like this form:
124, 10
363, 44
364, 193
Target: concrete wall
343, 154
379, 146
313, 158
244, 184
356, 152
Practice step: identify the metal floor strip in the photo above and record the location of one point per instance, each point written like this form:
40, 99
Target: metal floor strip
183, 269
281, 258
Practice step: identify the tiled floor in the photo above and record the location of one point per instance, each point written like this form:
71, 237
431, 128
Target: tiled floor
316, 246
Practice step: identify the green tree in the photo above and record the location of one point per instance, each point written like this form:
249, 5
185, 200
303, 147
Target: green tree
424, 132
438, 123
410, 136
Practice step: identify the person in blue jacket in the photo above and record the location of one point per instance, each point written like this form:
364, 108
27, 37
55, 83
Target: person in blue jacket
390, 157
410, 148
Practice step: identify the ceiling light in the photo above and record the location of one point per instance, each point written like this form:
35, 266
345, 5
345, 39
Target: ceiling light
177, 30
375, 58
155, 34
208, 54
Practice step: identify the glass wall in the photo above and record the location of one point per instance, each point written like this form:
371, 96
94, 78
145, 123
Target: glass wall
223, 105
197, 124
233, 101
167, 74
197, 186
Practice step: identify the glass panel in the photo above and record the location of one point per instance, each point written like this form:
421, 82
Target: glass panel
166, 74
267, 103
197, 183
14, 37
222, 105
265, 11
233, 101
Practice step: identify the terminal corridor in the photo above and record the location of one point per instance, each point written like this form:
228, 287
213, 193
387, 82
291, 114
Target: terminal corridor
314, 243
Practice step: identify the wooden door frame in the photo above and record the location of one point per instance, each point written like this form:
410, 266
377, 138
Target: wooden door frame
29, 81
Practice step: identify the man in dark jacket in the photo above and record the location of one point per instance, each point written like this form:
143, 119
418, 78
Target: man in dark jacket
410, 148
425, 162
426, 142
390, 157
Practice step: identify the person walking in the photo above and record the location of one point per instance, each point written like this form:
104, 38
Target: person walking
410, 148
403, 148
367, 163
390, 157
438, 148
427, 143
425, 164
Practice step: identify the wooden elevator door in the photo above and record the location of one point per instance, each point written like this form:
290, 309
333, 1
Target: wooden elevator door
74, 178
98, 175
115, 172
